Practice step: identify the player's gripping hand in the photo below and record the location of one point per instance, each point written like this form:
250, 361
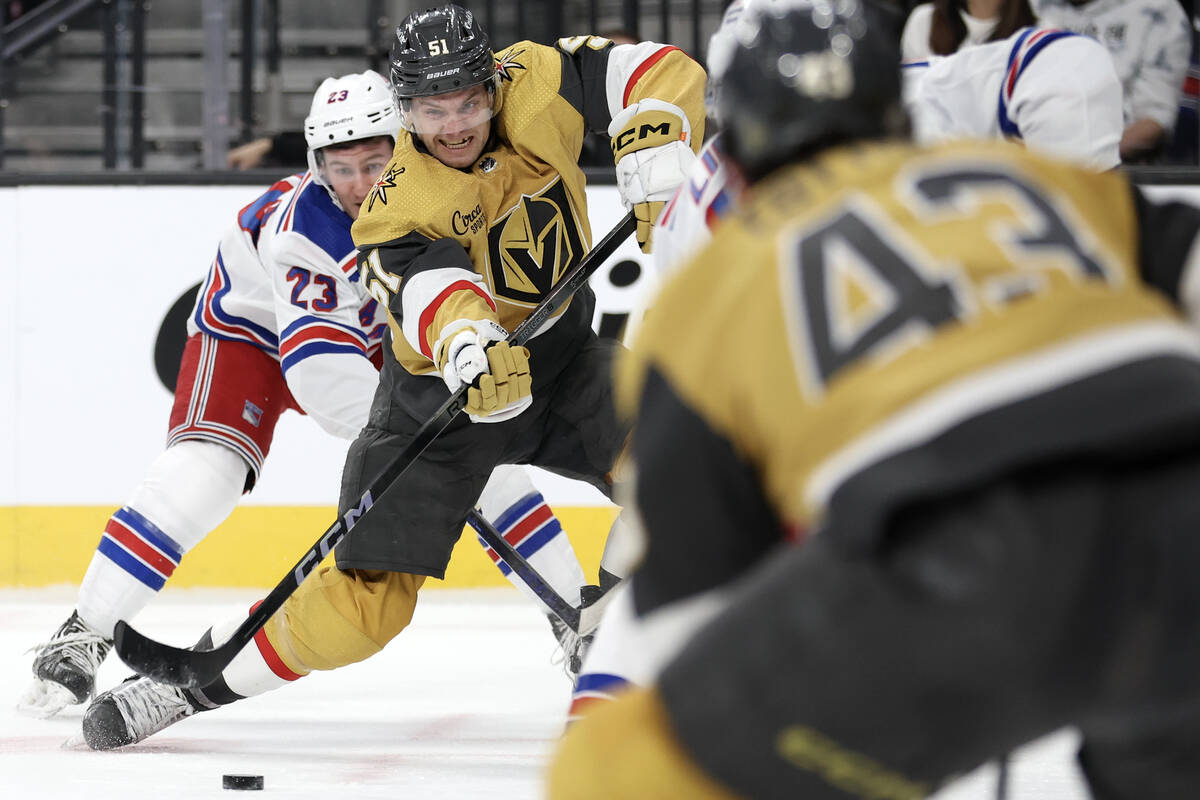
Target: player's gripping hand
498, 374
651, 144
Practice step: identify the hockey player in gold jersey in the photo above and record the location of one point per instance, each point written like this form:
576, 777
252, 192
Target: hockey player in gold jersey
479, 212
964, 382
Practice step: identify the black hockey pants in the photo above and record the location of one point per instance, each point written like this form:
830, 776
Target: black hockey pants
1065, 596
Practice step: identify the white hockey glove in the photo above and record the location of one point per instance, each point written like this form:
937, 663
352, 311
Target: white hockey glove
474, 352
651, 144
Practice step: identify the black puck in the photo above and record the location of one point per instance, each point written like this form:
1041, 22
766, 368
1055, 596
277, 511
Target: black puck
250, 782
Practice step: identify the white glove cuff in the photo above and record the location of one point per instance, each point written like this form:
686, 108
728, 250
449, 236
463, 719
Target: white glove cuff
505, 413
465, 342
653, 174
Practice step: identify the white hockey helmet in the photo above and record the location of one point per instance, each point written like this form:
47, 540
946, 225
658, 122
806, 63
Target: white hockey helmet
356, 106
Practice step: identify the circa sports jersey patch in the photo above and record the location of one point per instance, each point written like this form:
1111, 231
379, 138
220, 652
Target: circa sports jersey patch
464, 222
379, 191
506, 65
533, 245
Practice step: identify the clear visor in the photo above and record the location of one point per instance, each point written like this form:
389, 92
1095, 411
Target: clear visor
450, 113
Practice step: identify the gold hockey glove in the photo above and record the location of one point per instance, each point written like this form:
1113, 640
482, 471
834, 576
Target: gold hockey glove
474, 352
505, 390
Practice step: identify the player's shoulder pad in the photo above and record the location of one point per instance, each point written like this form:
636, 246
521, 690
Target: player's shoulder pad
530, 76
316, 218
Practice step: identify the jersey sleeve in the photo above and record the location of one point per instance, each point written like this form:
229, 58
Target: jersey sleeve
601, 79
696, 494
1066, 99
685, 225
433, 292
327, 332
914, 41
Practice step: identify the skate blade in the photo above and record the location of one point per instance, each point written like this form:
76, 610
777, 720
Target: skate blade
44, 699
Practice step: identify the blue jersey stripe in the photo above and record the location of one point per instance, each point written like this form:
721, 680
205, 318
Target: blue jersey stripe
309, 319
538, 540
1007, 126
131, 564
598, 682
318, 348
505, 569
517, 511
150, 532
266, 335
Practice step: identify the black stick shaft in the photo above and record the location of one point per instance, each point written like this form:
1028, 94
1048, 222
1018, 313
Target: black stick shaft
196, 668
554, 601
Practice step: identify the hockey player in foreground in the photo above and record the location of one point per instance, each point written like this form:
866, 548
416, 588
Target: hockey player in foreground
283, 321
1054, 92
918, 365
480, 210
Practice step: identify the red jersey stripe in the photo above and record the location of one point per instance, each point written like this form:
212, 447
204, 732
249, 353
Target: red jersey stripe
642, 69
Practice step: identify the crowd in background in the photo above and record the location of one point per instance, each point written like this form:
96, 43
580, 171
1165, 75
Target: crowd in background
1151, 42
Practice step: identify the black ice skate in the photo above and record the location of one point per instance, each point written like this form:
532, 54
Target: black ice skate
65, 667
130, 712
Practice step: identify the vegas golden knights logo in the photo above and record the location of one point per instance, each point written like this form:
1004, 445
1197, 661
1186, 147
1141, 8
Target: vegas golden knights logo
531, 247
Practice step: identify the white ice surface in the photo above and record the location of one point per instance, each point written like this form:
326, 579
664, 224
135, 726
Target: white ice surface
466, 703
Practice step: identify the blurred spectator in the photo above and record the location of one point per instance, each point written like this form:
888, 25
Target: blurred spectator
1184, 146
1150, 42
945, 26
13, 9
286, 150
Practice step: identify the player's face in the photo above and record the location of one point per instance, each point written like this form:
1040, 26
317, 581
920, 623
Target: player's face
353, 171
453, 126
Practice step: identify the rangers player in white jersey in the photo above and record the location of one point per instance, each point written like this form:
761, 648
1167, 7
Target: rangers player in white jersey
1054, 91
281, 322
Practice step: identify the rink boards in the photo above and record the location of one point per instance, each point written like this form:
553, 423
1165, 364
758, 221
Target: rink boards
91, 273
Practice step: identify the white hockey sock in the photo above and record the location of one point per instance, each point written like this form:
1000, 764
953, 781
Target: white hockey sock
256, 669
623, 548
517, 509
188, 490
631, 649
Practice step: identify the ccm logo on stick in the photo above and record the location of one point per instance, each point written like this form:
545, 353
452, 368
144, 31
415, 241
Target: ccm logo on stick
332, 536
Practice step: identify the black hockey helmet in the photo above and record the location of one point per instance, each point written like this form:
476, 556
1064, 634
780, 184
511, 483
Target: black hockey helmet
439, 50
807, 75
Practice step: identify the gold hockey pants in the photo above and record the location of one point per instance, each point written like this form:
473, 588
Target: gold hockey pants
337, 618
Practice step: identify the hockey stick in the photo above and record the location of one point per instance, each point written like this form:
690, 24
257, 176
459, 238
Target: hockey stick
554, 601
195, 668
582, 620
